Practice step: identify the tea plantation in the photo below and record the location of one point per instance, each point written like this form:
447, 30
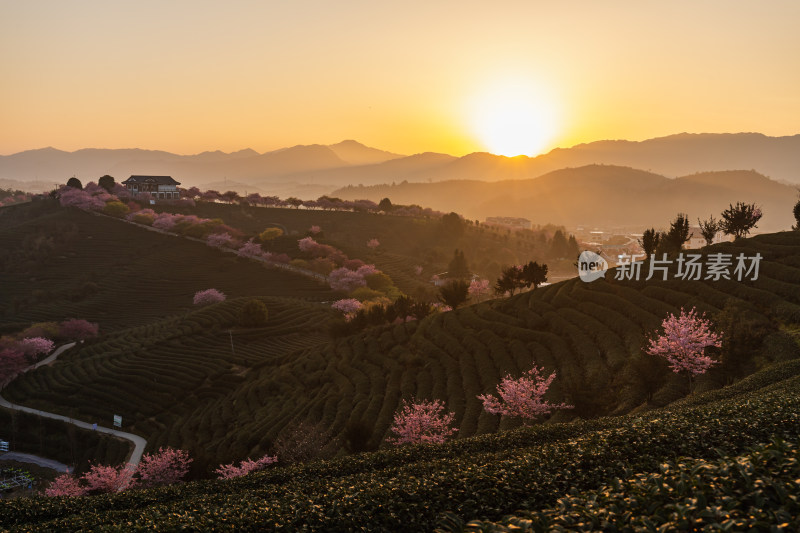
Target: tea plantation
725, 459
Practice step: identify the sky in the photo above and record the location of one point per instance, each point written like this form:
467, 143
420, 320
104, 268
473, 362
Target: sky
414, 76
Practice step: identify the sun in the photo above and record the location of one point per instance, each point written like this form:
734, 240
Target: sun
514, 119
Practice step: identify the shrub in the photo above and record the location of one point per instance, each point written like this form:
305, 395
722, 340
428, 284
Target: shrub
208, 296
116, 209
253, 314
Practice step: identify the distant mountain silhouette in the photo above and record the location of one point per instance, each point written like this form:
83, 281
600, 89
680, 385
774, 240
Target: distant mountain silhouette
350, 162
598, 195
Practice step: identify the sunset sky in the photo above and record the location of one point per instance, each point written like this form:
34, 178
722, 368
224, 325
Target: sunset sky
413, 76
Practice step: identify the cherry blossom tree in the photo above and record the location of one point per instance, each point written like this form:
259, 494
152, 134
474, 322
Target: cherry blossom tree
423, 421
683, 342
314, 230
373, 243
230, 470
166, 221
78, 329
208, 296
251, 250
65, 485
522, 397
34, 346
102, 478
219, 240
165, 467
12, 362
348, 306
418, 270
344, 279
479, 289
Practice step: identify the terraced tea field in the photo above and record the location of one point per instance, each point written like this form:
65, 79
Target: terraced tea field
161, 375
120, 275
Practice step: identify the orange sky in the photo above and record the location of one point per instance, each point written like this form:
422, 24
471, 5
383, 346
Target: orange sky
407, 77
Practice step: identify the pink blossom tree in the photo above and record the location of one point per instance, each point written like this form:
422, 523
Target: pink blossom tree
683, 342
348, 306
423, 421
165, 467
344, 279
230, 470
219, 240
78, 329
102, 478
522, 397
166, 221
65, 485
251, 250
208, 296
478, 289
373, 243
418, 270
34, 346
314, 229
12, 362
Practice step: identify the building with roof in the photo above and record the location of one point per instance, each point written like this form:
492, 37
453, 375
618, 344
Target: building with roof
160, 187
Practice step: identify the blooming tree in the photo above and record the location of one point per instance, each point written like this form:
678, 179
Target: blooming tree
78, 329
165, 467
373, 243
522, 397
35, 346
251, 250
208, 296
102, 478
418, 270
230, 471
12, 362
166, 221
65, 485
422, 421
344, 279
314, 229
348, 306
218, 240
478, 289
683, 342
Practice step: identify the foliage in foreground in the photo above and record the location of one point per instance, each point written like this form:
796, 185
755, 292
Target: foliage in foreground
409, 488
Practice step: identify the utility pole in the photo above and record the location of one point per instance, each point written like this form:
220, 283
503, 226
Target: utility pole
231, 334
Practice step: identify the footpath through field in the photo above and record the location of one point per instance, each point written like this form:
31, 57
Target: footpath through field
139, 443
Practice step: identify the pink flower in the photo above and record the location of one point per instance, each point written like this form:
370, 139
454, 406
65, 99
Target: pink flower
208, 296
683, 342
522, 397
230, 471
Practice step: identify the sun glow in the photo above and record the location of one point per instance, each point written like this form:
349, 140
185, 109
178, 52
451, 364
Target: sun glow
514, 119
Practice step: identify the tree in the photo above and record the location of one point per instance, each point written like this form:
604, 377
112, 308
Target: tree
454, 293
253, 314
522, 397
231, 471
373, 243
101, 478
683, 342
458, 268
116, 209
422, 422
208, 296
533, 274
650, 241
107, 182
677, 235
294, 202
709, 229
77, 329
65, 485
34, 346
559, 246
479, 289
385, 205
452, 225
165, 467
270, 234
75, 183
739, 219
509, 281
796, 213
743, 332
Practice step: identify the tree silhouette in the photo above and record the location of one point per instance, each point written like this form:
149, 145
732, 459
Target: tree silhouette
739, 219
709, 229
454, 293
107, 182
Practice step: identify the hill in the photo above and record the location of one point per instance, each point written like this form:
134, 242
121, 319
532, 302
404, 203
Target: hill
599, 195
61, 263
221, 407
686, 466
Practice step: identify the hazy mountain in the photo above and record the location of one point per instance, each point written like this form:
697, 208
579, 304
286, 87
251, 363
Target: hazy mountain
355, 153
350, 162
598, 195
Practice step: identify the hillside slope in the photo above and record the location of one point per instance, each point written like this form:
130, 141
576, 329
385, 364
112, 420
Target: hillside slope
411, 488
590, 334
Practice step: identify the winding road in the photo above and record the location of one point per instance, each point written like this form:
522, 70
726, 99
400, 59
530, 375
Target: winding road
139, 443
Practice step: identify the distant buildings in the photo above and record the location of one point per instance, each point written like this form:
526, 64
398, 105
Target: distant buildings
514, 223
160, 187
